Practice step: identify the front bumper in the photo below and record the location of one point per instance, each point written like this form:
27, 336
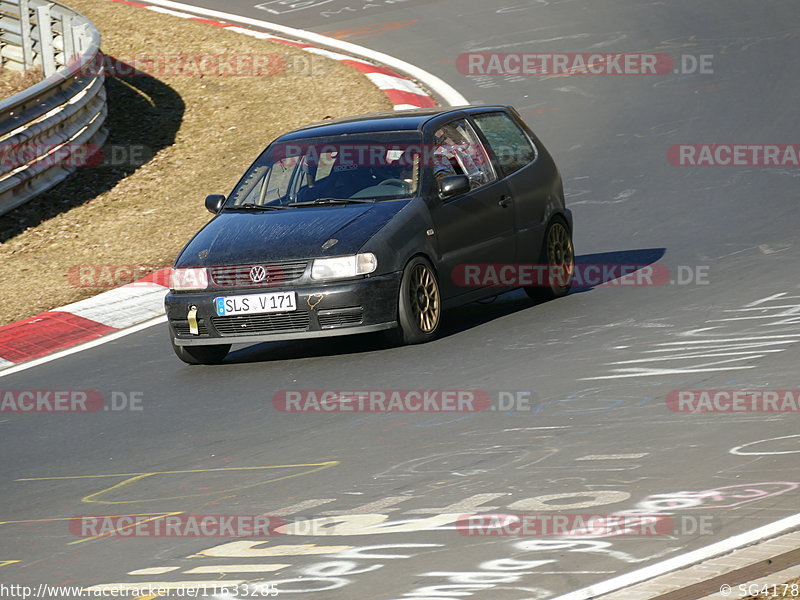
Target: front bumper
323, 310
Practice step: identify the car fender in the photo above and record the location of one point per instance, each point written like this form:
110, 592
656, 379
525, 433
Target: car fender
406, 235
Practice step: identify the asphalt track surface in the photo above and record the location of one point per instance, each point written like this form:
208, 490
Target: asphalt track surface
598, 364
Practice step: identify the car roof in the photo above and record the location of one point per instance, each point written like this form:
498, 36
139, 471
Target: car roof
400, 120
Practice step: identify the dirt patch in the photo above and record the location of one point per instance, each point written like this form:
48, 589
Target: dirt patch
196, 131
12, 82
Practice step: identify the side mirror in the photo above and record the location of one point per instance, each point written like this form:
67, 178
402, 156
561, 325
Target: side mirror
214, 203
453, 185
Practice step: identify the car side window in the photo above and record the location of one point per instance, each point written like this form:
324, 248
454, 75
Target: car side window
508, 141
459, 151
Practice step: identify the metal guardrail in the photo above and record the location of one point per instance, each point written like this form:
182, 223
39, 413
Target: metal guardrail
47, 130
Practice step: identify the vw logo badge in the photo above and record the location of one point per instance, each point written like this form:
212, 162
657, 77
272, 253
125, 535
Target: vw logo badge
258, 274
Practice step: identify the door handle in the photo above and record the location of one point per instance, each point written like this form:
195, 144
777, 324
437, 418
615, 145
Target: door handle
505, 201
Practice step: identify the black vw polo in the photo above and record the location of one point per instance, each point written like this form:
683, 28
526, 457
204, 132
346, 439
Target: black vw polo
362, 224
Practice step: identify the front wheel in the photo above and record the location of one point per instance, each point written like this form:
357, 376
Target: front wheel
202, 355
558, 256
419, 304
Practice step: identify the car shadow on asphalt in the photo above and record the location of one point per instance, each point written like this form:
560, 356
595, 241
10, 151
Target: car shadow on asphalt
144, 116
456, 320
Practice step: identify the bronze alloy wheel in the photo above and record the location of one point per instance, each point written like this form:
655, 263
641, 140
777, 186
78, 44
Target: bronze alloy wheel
419, 304
560, 255
424, 298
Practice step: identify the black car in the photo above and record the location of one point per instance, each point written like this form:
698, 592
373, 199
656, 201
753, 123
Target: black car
365, 224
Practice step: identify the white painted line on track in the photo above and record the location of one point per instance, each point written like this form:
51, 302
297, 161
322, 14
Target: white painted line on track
537, 428
683, 560
75, 349
735, 339
154, 571
612, 456
739, 449
301, 506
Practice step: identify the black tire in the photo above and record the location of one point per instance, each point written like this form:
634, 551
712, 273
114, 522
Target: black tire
419, 304
558, 255
202, 355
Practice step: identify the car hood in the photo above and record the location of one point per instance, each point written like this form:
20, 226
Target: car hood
245, 237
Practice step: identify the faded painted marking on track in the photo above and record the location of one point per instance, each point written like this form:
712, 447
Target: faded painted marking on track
135, 477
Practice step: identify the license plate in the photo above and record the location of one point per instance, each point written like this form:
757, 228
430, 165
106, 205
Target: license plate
256, 304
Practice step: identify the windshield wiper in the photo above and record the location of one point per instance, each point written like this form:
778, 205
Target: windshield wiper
252, 206
319, 201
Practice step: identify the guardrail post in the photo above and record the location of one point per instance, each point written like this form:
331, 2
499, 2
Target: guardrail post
68, 35
25, 30
83, 39
46, 51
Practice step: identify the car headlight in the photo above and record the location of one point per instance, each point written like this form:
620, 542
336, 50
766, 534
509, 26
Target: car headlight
341, 267
188, 279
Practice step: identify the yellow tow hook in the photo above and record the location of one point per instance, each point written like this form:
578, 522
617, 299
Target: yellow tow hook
194, 329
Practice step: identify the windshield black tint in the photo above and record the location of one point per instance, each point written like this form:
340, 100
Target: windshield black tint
378, 166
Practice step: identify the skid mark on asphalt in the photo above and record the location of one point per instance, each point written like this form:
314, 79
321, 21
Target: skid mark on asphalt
368, 31
132, 478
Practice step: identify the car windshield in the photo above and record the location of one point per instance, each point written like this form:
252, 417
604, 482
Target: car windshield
333, 170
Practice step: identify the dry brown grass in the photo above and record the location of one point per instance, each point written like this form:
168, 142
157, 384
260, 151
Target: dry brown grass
204, 131
12, 82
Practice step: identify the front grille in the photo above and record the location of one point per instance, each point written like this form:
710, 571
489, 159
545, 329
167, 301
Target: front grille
264, 323
239, 275
341, 317
182, 328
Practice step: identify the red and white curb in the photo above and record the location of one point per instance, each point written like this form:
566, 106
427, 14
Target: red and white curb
137, 303
83, 321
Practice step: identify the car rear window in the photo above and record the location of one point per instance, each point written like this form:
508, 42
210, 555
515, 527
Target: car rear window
507, 140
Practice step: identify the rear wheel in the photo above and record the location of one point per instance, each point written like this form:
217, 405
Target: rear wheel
202, 355
558, 255
419, 304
